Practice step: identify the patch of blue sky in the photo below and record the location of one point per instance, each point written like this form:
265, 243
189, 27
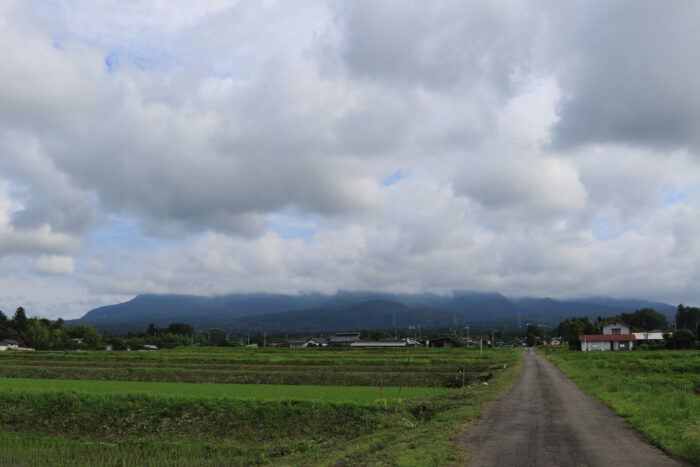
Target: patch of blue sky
121, 234
674, 194
112, 62
292, 224
394, 178
603, 232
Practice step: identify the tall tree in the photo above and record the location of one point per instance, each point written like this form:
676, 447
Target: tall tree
645, 320
19, 320
37, 335
688, 318
574, 327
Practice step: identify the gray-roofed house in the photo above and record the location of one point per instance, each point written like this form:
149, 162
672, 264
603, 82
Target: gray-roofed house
345, 338
7, 344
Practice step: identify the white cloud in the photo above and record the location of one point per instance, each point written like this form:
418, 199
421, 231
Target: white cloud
538, 143
53, 264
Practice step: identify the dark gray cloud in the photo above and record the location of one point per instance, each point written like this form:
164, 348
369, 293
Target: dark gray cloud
439, 45
629, 75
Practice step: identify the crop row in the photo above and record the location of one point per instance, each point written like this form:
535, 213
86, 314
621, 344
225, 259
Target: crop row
414, 367
336, 378
52, 451
289, 356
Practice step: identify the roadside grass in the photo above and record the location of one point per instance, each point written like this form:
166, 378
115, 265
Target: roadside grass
658, 392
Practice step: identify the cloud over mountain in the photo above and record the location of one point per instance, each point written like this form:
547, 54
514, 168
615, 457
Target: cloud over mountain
538, 149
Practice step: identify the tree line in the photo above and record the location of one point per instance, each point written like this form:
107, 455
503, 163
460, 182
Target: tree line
44, 334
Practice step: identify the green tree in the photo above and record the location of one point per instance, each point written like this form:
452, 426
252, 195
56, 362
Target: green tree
180, 329
4, 324
19, 320
688, 318
218, 338
531, 339
645, 320
60, 340
91, 338
37, 335
116, 342
534, 330
574, 327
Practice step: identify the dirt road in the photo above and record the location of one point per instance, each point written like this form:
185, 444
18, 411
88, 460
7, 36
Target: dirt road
546, 420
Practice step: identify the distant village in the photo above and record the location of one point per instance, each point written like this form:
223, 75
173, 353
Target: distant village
643, 329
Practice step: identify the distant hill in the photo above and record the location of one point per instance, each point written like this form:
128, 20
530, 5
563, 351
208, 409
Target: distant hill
369, 314
350, 310
547, 310
202, 312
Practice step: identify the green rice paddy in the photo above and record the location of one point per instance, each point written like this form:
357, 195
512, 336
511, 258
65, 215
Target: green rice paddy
355, 394
188, 406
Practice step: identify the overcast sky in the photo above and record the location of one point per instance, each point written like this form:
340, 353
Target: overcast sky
540, 148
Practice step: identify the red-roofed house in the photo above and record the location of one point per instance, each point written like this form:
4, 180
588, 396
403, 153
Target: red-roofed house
614, 337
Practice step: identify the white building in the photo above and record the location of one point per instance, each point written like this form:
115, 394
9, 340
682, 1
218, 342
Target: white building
615, 337
652, 336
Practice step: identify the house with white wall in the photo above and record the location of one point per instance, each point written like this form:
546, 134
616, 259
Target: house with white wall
615, 336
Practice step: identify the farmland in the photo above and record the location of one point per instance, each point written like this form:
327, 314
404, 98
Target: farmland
658, 392
188, 406
274, 366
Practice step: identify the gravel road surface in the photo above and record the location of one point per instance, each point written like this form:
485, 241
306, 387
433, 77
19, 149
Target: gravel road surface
545, 420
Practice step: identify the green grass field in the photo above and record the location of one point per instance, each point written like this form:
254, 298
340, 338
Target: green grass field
658, 392
263, 392
59, 420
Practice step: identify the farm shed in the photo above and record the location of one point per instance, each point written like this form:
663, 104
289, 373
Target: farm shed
345, 338
379, 344
590, 342
441, 342
298, 343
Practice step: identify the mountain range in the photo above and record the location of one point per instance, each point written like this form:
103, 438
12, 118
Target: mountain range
315, 312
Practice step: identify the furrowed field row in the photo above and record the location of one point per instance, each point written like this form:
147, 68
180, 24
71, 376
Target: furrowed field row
51, 451
302, 357
169, 365
318, 377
